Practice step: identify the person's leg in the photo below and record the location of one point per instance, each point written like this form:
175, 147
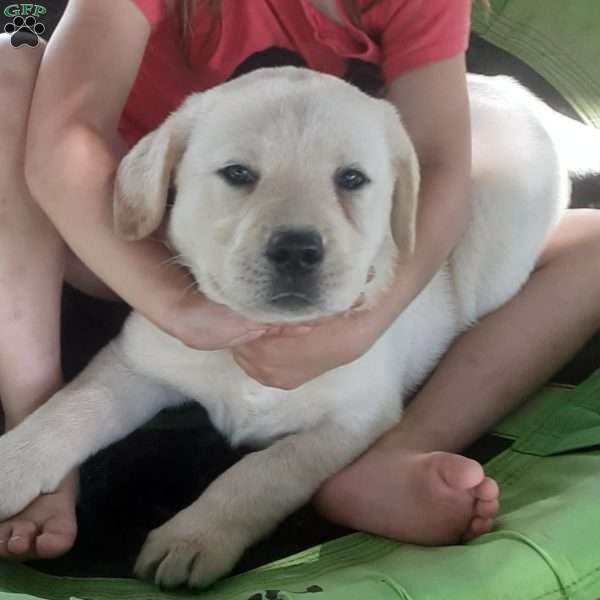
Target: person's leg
31, 277
404, 487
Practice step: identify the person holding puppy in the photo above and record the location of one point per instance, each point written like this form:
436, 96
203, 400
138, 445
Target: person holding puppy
109, 76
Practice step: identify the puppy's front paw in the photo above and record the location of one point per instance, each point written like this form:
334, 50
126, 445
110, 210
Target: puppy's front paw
22, 477
195, 558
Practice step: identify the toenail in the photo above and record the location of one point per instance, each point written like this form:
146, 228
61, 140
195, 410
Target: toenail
16, 537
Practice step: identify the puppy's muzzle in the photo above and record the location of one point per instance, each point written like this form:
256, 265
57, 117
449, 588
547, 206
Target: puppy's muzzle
295, 256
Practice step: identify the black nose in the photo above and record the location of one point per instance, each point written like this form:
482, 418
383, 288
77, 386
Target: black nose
295, 251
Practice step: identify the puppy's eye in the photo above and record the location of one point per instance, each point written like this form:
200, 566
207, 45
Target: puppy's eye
351, 179
238, 175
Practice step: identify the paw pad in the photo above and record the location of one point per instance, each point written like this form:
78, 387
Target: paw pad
24, 31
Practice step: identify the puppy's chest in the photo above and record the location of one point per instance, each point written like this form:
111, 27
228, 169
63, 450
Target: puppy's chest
245, 411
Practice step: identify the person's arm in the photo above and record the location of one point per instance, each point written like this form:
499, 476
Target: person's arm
433, 104
73, 151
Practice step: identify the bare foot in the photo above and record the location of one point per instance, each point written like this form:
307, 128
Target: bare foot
430, 498
44, 529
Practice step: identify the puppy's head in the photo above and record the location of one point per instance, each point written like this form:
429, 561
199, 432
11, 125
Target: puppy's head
289, 186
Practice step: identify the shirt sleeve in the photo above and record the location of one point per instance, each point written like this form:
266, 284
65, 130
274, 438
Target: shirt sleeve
414, 33
153, 10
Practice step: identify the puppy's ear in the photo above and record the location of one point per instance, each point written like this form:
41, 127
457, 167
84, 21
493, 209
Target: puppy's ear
406, 185
144, 174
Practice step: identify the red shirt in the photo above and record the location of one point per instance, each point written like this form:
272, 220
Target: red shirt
395, 35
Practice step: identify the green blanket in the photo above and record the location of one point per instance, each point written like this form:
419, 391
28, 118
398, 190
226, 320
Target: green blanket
560, 39
545, 545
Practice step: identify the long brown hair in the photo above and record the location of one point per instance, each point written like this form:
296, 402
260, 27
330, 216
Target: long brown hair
183, 12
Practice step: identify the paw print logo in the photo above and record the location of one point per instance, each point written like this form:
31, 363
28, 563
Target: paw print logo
24, 31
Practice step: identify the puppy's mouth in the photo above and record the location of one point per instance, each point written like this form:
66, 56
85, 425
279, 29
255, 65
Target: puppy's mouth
276, 301
291, 300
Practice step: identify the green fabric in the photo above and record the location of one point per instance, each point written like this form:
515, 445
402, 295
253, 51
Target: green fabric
545, 546
557, 38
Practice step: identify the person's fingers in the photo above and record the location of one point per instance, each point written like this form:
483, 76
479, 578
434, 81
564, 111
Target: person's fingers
246, 338
294, 330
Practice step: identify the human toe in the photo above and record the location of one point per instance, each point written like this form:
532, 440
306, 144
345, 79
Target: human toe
57, 536
458, 472
21, 537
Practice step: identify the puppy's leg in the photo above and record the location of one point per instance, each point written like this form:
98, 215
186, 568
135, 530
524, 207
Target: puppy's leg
204, 541
102, 405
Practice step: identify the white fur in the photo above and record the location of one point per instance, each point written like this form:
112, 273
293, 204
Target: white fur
296, 128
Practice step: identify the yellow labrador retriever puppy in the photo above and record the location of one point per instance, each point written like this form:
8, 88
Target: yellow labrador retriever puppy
290, 186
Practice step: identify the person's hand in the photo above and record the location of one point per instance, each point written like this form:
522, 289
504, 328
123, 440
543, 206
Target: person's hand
288, 357
205, 325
